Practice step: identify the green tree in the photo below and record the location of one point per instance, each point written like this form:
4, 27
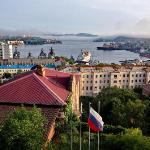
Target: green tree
7, 75
19, 71
118, 107
23, 130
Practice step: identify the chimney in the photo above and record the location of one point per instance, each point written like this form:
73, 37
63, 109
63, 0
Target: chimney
40, 70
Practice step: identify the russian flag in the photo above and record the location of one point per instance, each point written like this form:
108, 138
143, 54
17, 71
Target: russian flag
95, 121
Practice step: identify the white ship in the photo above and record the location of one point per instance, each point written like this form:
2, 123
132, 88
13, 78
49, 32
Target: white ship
84, 57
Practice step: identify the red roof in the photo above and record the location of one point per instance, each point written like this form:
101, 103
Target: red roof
30, 88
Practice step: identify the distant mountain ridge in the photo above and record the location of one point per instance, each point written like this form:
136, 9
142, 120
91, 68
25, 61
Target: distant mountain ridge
120, 38
78, 34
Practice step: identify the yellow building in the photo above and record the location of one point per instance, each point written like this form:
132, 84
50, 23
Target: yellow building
94, 79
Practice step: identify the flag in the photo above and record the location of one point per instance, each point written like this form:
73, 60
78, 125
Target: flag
95, 121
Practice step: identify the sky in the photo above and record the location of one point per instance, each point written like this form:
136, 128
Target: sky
102, 17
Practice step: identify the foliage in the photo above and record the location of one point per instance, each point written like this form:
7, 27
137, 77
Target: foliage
70, 119
132, 139
118, 107
7, 75
19, 71
23, 130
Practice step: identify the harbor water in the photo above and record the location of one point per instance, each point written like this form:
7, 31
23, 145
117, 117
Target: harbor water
72, 46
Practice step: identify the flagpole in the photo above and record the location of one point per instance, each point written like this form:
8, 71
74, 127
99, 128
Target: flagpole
81, 126
99, 103
89, 129
71, 129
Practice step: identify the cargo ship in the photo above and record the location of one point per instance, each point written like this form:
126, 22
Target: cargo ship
108, 47
119, 46
145, 54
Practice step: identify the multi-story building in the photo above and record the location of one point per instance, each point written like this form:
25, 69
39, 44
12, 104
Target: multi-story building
94, 79
6, 51
15, 69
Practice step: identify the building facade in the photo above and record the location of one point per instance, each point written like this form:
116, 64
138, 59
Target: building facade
6, 51
94, 79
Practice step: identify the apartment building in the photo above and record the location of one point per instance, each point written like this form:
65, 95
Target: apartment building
6, 51
94, 79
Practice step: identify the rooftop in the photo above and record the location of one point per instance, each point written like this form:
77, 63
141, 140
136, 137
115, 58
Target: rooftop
32, 88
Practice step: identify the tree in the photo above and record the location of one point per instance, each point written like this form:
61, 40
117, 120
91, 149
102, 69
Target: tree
118, 107
23, 130
19, 71
7, 75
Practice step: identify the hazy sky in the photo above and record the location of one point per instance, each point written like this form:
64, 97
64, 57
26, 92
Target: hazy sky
72, 16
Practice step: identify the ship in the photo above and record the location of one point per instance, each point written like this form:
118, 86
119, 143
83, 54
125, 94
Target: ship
108, 47
119, 46
144, 53
84, 57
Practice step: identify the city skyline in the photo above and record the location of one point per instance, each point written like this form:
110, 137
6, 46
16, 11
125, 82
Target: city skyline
102, 17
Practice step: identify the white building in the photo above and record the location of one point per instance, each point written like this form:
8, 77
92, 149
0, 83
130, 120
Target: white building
6, 51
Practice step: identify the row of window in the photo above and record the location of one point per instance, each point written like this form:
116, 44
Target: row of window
87, 88
91, 87
115, 76
132, 81
115, 81
101, 81
13, 70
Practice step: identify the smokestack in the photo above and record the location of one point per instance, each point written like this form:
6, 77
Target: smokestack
40, 70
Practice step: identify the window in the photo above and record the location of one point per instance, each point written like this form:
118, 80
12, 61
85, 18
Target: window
91, 87
87, 88
124, 75
83, 81
127, 75
127, 81
123, 80
140, 75
135, 80
136, 75
104, 81
107, 81
87, 76
144, 75
132, 75
87, 81
115, 76
139, 80
91, 76
108, 76
100, 76
95, 81
104, 76
119, 80
95, 87
91, 81
100, 87
96, 76
132, 81
115, 81
100, 81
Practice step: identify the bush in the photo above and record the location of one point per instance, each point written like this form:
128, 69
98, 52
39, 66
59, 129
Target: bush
23, 130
